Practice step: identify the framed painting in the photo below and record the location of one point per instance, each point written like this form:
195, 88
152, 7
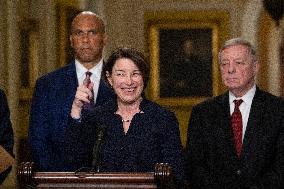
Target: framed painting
183, 51
29, 42
65, 11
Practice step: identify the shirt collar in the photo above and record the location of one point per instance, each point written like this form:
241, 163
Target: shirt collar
96, 70
247, 98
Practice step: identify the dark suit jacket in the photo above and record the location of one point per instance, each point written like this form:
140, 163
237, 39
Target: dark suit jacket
212, 162
153, 137
6, 131
51, 105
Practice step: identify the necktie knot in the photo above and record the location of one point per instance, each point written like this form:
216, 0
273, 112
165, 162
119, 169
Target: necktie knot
238, 103
87, 80
88, 74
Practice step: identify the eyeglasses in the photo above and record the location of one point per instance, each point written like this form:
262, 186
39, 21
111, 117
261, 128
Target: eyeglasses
89, 33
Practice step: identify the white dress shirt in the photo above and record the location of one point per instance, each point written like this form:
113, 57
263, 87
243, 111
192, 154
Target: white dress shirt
95, 77
244, 107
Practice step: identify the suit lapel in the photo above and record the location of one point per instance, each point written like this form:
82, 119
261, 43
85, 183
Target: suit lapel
71, 78
69, 86
253, 125
225, 125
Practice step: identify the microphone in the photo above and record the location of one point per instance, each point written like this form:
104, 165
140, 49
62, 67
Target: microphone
100, 134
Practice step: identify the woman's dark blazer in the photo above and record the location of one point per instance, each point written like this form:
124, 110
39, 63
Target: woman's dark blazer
153, 137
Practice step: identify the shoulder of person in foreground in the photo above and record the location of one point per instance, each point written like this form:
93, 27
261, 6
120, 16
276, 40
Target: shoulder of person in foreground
157, 110
267, 98
211, 105
6, 131
55, 77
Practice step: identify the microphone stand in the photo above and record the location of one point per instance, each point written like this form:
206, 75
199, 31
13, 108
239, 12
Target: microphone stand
96, 163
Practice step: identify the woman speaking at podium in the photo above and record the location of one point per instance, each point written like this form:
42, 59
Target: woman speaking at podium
128, 134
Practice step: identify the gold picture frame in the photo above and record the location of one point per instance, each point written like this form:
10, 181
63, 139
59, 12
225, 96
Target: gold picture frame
166, 33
